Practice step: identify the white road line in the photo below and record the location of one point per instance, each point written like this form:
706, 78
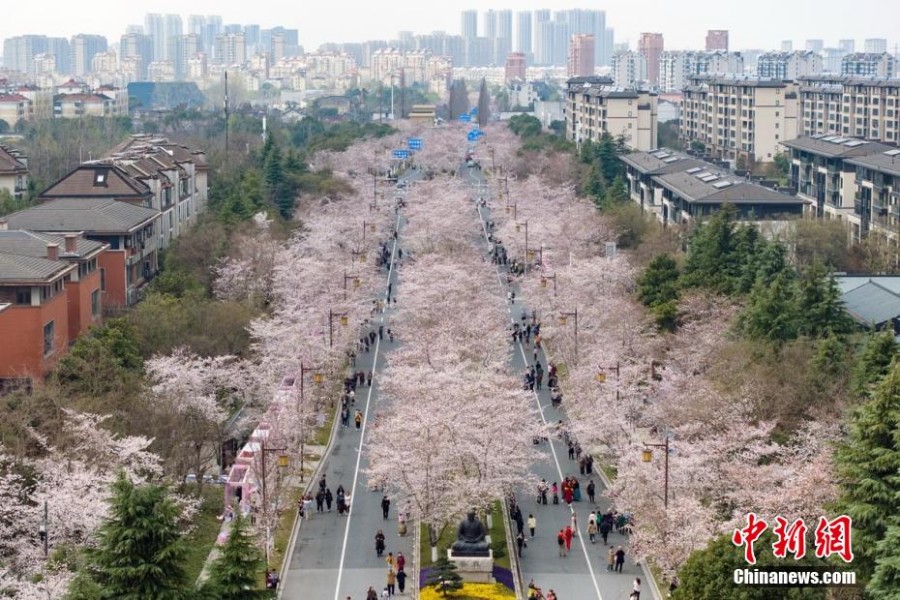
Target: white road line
537, 399
362, 435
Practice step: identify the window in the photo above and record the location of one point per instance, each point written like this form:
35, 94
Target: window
102, 279
23, 296
95, 303
100, 178
49, 338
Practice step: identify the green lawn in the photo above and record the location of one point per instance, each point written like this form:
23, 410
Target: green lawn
448, 536
206, 529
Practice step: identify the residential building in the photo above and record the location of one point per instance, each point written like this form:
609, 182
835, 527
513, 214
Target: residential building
651, 46
875, 45
73, 106
877, 198
629, 68
104, 63
182, 48
679, 189
787, 46
523, 32
469, 27
717, 40
676, 67
847, 46
831, 60
814, 45
581, 55
160, 28
515, 66
161, 71
740, 119
594, 107
136, 51
788, 65
13, 171
862, 107
869, 64
15, 108
84, 48
231, 49
44, 64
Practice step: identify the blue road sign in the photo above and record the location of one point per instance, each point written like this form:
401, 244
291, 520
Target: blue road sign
401, 154
414, 143
474, 111
474, 135
465, 118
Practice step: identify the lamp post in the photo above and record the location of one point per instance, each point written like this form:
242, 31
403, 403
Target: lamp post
647, 456
526, 243
361, 254
511, 206
43, 534
601, 376
283, 462
546, 278
318, 377
343, 320
354, 278
563, 319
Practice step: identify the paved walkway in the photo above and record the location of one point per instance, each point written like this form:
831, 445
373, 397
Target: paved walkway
334, 556
582, 574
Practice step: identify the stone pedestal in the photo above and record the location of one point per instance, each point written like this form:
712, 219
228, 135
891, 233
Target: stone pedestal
474, 569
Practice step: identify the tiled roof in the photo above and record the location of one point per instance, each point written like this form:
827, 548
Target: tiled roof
660, 161
886, 162
9, 164
81, 183
12, 98
28, 269
30, 243
737, 190
90, 215
872, 303
835, 145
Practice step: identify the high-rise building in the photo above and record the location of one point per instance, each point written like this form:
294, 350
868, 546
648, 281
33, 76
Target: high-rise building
787, 46
62, 52
182, 48
489, 24
160, 28
543, 42
84, 47
479, 51
869, 64
581, 55
515, 66
231, 49
561, 37
212, 29
629, 69
595, 108
523, 32
847, 46
875, 45
469, 26
233, 28
137, 50
717, 39
677, 66
788, 65
19, 52
815, 45
196, 24
651, 46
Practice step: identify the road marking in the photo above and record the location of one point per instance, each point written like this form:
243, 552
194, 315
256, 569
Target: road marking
362, 435
537, 399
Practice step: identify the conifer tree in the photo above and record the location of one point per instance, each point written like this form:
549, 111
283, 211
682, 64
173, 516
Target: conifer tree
236, 573
444, 576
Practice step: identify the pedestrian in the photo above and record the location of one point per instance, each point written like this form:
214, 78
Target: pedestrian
390, 334
673, 585
532, 523
592, 530
620, 559
391, 580
542, 492
385, 506
328, 499
551, 595
571, 450
371, 594
358, 419
636, 589
401, 580
610, 559
385, 594
574, 524
569, 535
372, 336
540, 377
554, 489
520, 542
401, 561
591, 489
561, 542
390, 560
369, 377
320, 501
390, 287
381, 332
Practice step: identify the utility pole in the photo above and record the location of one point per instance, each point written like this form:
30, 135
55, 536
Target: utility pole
226, 118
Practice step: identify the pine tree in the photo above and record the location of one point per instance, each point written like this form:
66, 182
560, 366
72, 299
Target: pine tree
819, 304
140, 552
771, 313
867, 463
659, 282
879, 351
236, 573
484, 105
444, 576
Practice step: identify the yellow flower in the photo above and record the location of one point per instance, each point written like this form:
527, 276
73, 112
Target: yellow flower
472, 591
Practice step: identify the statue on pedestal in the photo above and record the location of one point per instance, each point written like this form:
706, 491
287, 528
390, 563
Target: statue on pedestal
470, 538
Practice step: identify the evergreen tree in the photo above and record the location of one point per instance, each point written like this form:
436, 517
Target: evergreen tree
711, 251
444, 576
659, 282
608, 158
874, 362
459, 99
771, 312
819, 304
867, 464
235, 575
616, 194
140, 549
484, 104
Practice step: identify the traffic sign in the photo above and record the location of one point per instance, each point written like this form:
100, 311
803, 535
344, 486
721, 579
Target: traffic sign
465, 118
474, 135
474, 111
414, 143
401, 154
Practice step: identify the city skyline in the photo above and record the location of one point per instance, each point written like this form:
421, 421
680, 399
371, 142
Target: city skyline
682, 29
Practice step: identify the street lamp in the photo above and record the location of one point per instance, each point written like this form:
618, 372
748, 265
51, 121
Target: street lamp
371, 227
354, 279
318, 377
564, 319
518, 228
361, 254
344, 320
601, 376
546, 278
511, 206
647, 456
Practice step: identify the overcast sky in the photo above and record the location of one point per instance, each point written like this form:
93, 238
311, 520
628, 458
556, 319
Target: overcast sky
755, 24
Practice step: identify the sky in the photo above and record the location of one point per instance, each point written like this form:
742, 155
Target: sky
758, 24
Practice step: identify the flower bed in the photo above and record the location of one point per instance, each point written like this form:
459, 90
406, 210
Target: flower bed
471, 591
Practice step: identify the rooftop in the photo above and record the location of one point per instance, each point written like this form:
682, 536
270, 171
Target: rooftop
661, 161
17, 269
871, 300
887, 161
30, 243
90, 215
835, 145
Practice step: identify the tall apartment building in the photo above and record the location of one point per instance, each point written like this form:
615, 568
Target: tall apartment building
84, 47
231, 49
19, 53
869, 64
160, 28
469, 24
739, 118
847, 46
515, 66
677, 66
595, 107
815, 45
581, 55
860, 107
651, 46
523, 32
182, 48
137, 48
717, 40
875, 45
629, 69
788, 65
